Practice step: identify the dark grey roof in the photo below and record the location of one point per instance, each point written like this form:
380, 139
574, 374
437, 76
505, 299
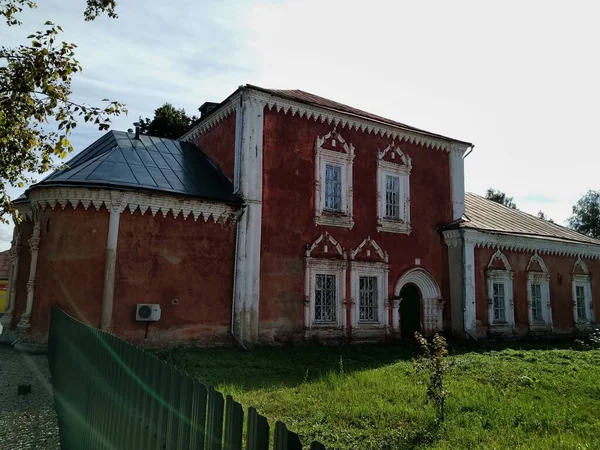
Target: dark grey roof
486, 215
149, 163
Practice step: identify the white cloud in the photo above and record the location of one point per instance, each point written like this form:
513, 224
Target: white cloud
517, 79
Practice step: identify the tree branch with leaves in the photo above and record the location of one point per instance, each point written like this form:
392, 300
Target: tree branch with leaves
37, 114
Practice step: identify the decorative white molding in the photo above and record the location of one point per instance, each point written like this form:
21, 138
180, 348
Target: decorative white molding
337, 118
34, 246
328, 238
383, 255
499, 255
431, 297
582, 265
344, 159
24, 210
380, 271
216, 117
540, 245
400, 169
537, 259
584, 281
505, 278
11, 288
115, 200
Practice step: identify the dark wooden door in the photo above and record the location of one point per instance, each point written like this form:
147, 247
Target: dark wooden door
410, 311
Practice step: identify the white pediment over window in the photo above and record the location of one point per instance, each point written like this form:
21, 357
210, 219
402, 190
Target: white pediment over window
539, 307
501, 306
334, 158
393, 190
583, 305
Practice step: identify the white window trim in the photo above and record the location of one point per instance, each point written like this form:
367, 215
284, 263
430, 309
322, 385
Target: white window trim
378, 270
327, 266
582, 280
344, 159
402, 170
543, 279
504, 276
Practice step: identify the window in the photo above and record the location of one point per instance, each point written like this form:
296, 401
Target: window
583, 312
393, 190
536, 303
333, 181
580, 299
501, 313
499, 303
392, 197
538, 295
325, 298
368, 299
324, 288
333, 187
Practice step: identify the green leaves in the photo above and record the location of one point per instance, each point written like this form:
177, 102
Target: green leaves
586, 215
35, 92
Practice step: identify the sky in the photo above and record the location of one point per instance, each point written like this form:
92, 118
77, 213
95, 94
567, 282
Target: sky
518, 79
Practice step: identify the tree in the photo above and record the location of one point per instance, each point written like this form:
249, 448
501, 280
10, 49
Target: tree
36, 113
168, 122
500, 197
542, 215
586, 214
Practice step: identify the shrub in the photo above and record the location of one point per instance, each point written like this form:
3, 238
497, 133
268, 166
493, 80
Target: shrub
433, 362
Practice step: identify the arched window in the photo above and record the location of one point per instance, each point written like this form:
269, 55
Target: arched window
583, 312
538, 295
501, 311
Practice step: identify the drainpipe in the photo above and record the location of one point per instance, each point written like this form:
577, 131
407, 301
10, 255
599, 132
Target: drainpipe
469, 152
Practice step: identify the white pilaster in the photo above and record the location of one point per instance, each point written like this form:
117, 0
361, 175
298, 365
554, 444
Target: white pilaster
469, 286
457, 179
34, 245
249, 151
11, 288
396, 316
110, 264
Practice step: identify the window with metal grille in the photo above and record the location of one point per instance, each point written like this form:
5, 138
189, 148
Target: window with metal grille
333, 187
580, 299
536, 302
325, 298
367, 287
499, 302
392, 197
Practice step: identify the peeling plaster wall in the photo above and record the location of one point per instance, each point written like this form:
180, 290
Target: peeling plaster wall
288, 215
186, 266
219, 144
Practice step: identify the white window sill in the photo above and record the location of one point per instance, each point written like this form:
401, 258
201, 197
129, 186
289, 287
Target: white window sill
394, 226
501, 327
335, 220
540, 326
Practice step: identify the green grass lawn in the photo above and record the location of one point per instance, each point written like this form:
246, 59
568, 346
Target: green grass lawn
526, 396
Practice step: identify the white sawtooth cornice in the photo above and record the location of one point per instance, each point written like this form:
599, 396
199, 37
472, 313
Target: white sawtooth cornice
116, 200
541, 245
337, 118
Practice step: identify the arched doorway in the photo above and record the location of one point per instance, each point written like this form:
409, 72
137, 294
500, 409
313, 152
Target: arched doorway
410, 311
429, 301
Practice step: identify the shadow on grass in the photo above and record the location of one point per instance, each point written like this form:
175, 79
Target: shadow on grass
291, 365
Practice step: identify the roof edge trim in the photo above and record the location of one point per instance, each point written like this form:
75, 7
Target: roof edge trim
331, 115
541, 245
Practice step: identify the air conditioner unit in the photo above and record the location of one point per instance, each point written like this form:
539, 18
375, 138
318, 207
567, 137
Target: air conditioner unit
147, 312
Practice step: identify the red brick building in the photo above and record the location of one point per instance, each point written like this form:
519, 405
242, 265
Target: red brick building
324, 222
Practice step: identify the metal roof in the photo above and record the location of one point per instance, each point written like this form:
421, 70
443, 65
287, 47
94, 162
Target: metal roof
119, 160
4, 265
487, 215
312, 99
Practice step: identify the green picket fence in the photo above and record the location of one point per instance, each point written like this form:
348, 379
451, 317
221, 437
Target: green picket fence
110, 394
